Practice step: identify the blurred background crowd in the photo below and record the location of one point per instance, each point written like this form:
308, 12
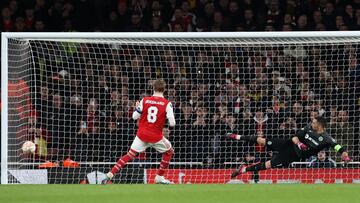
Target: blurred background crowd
179, 15
85, 92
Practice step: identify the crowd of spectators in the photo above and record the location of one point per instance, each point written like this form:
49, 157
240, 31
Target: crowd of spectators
86, 92
179, 15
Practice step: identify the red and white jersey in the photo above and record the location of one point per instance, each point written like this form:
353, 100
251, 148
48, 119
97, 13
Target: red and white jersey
153, 112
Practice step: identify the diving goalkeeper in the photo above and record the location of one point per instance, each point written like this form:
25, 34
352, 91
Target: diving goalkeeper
307, 142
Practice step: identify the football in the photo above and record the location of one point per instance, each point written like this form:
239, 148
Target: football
28, 147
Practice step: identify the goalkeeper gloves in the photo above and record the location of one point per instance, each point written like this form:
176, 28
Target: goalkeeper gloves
346, 159
302, 146
232, 136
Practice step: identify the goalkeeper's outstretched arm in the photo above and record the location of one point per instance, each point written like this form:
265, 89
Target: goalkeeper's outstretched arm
339, 149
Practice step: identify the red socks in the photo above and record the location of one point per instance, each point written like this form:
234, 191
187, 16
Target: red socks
123, 161
166, 157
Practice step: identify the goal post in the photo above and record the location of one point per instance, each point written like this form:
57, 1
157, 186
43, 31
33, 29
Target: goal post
67, 91
4, 107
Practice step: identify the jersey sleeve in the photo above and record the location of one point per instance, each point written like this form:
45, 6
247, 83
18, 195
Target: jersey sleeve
331, 142
170, 114
301, 133
138, 110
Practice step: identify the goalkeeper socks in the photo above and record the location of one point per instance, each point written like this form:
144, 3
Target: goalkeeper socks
123, 161
247, 138
256, 167
166, 157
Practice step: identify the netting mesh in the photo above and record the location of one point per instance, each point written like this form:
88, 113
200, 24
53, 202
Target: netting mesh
78, 97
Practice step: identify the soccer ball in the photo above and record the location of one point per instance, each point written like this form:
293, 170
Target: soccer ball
28, 147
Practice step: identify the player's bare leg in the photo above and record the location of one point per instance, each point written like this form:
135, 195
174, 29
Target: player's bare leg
165, 161
120, 164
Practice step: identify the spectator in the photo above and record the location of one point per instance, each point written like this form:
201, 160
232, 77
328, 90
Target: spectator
329, 16
220, 21
179, 22
136, 24
240, 102
20, 25
39, 26
339, 21
113, 22
299, 114
289, 126
349, 16
302, 23
218, 126
322, 161
111, 144
317, 19
357, 19
14, 7
189, 17
343, 131
209, 12
29, 19
274, 13
7, 22
234, 15
222, 5
200, 141
289, 20
260, 126
103, 91
157, 25
313, 115
43, 104
123, 15
249, 20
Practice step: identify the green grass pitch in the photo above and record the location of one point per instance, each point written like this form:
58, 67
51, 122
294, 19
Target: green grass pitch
272, 193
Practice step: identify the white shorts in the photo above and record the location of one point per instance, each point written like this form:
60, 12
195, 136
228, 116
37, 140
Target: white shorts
139, 146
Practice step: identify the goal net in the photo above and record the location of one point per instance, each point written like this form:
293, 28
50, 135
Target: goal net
73, 95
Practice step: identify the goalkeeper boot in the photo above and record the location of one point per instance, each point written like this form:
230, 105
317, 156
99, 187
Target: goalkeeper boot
108, 178
238, 171
162, 180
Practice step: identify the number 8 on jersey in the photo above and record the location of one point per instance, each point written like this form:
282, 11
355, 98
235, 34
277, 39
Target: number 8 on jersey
152, 112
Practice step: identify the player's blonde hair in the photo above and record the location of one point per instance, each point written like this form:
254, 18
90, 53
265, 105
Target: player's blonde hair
159, 85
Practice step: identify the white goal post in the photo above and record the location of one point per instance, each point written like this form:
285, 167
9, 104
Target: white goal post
210, 66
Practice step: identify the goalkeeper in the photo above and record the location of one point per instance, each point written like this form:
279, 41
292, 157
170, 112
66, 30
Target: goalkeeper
307, 142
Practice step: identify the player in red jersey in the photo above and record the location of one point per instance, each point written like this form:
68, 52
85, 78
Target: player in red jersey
152, 112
